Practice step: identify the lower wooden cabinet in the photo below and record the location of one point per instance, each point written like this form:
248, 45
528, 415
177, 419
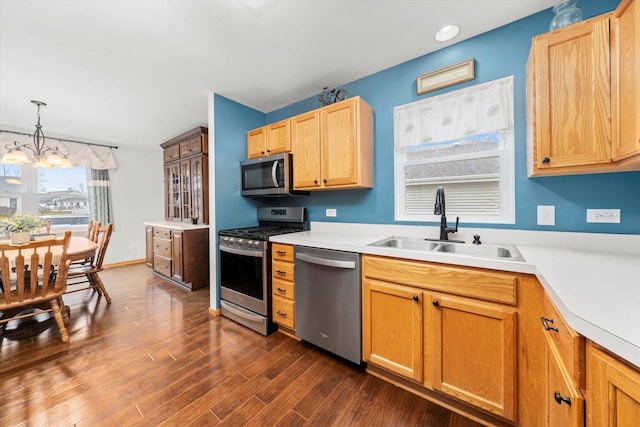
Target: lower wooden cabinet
613, 389
179, 255
462, 347
283, 286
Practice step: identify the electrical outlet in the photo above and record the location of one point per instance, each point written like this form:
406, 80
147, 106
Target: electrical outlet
603, 215
546, 215
332, 212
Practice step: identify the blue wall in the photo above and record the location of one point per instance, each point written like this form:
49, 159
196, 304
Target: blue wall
497, 54
232, 120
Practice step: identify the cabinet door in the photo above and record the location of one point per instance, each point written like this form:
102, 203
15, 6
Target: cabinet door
199, 190
148, 233
305, 135
185, 188
571, 91
392, 328
177, 254
474, 353
564, 403
173, 192
613, 390
625, 80
278, 137
339, 144
256, 143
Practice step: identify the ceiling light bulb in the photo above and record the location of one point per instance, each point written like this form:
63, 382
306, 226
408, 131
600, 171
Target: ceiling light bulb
447, 32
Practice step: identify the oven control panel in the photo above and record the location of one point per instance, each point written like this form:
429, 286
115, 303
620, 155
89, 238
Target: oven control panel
242, 243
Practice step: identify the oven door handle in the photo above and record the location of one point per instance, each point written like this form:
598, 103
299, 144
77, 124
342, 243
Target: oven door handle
245, 252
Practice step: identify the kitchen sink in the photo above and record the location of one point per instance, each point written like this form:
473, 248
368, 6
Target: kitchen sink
406, 243
503, 252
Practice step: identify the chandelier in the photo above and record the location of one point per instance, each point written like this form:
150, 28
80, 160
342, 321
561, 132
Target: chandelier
43, 156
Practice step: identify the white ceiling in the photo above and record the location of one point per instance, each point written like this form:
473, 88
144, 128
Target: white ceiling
138, 72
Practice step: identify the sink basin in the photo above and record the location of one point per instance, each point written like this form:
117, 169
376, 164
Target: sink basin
504, 252
406, 243
484, 251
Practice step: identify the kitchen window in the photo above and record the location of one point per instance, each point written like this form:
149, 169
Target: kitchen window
463, 141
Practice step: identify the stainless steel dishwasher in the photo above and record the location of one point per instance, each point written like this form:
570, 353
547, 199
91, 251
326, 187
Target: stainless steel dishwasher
328, 301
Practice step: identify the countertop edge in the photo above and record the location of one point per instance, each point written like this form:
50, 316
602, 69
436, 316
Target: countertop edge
176, 225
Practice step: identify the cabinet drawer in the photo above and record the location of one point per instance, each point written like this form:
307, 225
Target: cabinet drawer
569, 344
190, 147
472, 282
283, 270
282, 252
284, 312
164, 233
162, 265
162, 247
170, 154
284, 289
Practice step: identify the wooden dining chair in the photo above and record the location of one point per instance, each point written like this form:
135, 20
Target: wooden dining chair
34, 275
86, 274
92, 230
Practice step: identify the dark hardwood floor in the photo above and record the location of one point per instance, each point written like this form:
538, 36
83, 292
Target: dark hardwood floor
156, 357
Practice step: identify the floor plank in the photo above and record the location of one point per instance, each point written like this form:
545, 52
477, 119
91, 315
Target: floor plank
156, 357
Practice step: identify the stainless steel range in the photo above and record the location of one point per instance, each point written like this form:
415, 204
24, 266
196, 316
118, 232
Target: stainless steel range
245, 266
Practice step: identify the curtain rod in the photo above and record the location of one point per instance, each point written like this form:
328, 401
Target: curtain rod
62, 139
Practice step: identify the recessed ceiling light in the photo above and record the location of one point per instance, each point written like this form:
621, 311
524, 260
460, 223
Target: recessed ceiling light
447, 32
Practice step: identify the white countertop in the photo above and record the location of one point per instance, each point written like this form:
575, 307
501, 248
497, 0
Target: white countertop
176, 225
597, 291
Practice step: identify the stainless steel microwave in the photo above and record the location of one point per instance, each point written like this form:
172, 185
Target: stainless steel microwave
268, 176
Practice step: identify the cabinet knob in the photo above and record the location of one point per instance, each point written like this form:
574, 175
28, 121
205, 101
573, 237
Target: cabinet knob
324, 180
262, 152
559, 398
546, 160
315, 181
435, 303
268, 151
416, 298
545, 324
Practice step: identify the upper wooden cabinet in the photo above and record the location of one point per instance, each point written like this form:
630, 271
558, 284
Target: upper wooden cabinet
186, 183
271, 139
625, 75
569, 99
582, 111
333, 147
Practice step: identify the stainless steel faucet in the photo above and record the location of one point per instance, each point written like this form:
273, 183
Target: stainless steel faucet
439, 209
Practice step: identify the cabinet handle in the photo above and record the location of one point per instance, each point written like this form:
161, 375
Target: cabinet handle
281, 314
435, 303
545, 324
559, 398
281, 272
281, 252
284, 291
416, 298
546, 160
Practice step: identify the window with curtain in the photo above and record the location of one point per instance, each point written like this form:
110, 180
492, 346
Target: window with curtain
66, 196
462, 141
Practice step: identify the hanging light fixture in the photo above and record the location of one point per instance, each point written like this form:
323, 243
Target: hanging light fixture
43, 156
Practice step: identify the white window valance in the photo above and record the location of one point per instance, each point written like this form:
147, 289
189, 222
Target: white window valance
470, 111
92, 156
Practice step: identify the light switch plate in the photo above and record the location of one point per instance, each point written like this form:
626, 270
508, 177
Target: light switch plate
332, 212
603, 215
546, 215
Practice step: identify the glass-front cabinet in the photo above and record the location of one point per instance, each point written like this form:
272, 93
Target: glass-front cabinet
186, 180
